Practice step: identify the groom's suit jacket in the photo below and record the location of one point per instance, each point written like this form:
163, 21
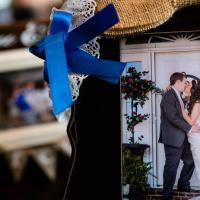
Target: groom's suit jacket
173, 127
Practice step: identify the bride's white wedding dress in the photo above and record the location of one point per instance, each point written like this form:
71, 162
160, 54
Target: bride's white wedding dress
194, 140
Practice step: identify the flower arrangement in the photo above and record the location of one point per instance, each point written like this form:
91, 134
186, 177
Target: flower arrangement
135, 119
136, 88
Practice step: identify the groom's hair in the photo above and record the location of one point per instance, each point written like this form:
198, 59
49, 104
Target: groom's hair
177, 76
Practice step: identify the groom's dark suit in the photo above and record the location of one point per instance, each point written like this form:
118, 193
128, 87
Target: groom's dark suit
173, 134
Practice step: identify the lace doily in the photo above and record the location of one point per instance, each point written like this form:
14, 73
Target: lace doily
81, 10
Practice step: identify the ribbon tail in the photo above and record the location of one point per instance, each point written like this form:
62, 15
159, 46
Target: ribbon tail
83, 63
57, 70
38, 49
93, 27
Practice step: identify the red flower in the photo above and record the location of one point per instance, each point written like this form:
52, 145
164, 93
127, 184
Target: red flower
136, 88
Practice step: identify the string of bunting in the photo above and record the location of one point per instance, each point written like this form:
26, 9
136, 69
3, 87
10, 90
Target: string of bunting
44, 157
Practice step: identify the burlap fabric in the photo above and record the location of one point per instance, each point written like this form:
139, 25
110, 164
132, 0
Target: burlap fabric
141, 15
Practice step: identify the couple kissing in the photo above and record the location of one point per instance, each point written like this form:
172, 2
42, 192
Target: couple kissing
180, 132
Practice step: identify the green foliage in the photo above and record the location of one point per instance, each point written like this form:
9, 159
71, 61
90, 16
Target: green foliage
135, 119
135, 87
135, 170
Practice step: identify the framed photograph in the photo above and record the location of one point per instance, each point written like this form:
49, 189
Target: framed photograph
26, 115
163, 51
24, 96
24, 99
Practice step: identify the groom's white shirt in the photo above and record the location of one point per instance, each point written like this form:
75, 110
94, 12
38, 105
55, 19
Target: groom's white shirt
180, 100
179, 96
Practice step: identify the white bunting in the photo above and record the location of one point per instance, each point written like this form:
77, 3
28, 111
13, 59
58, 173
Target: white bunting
17, 161
46, 158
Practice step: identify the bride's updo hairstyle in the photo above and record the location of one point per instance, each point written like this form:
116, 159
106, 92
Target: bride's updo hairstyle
195, 95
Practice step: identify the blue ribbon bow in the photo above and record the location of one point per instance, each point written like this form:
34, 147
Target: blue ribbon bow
61, 51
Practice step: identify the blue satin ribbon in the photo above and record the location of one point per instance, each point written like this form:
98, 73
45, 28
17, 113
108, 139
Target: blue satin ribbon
60, 49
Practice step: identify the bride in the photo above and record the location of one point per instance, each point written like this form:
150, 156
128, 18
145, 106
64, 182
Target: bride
192, 116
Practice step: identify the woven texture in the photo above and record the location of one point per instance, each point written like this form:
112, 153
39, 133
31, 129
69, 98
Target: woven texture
184, 3
141, 15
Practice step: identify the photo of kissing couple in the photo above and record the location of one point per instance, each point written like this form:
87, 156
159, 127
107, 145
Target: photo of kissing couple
180, 131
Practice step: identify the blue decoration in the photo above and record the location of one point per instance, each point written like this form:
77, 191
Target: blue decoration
60, 49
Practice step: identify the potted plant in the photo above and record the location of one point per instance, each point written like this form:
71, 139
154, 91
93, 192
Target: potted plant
136, 88
135, 175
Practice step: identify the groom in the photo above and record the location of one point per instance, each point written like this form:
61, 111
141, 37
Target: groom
173, 134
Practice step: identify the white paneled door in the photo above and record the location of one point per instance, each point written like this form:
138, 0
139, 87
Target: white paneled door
165, 63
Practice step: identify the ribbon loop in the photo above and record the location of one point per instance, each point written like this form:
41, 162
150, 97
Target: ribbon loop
61, 22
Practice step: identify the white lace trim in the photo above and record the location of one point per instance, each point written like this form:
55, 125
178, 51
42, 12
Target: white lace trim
81, 10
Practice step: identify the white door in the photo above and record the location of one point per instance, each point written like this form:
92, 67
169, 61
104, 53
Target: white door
165, 63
